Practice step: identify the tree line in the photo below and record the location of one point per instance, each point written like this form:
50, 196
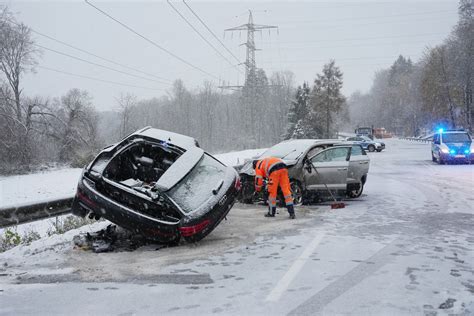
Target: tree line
412, 98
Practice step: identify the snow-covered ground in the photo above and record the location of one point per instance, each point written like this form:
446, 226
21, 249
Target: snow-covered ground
406, 247
38, 187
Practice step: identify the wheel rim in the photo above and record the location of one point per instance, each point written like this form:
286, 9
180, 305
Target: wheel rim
297, 193
371, 148
357, 192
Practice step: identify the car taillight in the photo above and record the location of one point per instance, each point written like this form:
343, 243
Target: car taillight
81, 196
238, 184
191, 230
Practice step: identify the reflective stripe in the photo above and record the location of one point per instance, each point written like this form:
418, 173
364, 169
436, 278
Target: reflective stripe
259, 177
272, 202
289, 203
287, 196
270, 168
265, 168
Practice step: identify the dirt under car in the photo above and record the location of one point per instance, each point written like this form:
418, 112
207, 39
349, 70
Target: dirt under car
159, 184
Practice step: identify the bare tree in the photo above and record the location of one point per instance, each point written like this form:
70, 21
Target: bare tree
17, 56
126, 104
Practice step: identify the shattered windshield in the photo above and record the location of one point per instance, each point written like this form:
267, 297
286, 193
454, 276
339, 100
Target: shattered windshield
196, 188
288, 150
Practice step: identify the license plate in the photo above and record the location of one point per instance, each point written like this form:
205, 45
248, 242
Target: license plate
460, 156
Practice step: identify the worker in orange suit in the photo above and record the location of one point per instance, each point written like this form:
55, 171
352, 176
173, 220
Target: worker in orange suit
275, 171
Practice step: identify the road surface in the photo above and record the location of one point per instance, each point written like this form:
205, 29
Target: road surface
405, 247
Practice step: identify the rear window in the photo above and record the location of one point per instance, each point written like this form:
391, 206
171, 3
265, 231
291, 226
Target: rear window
456, 138
196, 188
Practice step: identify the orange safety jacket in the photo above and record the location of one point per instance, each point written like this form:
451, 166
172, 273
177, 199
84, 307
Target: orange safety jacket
264, 168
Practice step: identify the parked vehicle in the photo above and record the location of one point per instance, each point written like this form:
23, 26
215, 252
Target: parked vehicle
159, 184
367, 143
451, 146
365, 131
343, 167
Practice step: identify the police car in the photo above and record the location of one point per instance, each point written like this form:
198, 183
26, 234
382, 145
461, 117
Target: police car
451, 146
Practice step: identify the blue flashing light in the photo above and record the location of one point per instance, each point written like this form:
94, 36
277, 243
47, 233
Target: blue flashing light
441, 130
466, 151
452, 151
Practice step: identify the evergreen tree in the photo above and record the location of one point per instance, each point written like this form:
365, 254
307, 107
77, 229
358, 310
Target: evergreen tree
326, 101
297, 113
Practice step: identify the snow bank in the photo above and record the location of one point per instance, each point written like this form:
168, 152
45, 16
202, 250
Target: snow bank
38, 187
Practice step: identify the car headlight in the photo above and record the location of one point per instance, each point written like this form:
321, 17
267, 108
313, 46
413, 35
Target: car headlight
472, 150
445, 150
378, 145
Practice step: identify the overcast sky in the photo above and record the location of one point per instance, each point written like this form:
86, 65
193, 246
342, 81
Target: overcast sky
362, 36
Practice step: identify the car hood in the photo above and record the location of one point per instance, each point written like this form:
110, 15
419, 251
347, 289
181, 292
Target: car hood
179, 169
248, 168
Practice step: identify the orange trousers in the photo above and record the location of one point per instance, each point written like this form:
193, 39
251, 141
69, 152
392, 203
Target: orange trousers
279, 178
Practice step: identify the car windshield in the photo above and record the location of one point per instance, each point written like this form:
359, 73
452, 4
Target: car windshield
196, 188
288, 150
456, 138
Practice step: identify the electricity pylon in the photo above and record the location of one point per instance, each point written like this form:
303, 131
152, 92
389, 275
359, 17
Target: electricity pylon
250, 64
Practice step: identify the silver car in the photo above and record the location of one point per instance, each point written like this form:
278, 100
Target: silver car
313, 165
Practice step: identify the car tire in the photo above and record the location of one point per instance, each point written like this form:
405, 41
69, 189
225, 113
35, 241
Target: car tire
441, 160
297, 192
371, 148
356, 193
379, 150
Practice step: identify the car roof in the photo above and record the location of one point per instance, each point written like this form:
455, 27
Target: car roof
179, 140
310, 142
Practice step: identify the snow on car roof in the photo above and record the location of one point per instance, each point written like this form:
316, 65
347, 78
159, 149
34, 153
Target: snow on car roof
180, 140
291, 149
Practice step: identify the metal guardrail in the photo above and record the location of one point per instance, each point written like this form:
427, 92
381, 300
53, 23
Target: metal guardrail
421, 140
29, 213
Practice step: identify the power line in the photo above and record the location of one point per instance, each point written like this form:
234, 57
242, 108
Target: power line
97, 79
373, 44
366, 17
359, 38
210, 31
96, 56
98, 65
151, 42
348, 59
202, 36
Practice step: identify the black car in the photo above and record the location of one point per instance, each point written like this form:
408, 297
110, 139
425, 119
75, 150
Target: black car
159, 184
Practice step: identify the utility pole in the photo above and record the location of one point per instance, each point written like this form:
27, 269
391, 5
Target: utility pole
250, 64
251, 84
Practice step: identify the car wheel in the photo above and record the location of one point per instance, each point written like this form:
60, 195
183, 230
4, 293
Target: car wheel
297, 192
247, 192
379, 150
440, 159
356, 192
371, 148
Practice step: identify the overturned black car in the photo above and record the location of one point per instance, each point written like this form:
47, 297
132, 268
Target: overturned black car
159, 184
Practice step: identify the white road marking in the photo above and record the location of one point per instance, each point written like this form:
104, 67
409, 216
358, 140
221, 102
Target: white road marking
295, 268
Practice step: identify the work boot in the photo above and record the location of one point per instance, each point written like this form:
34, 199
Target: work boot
291, 211
271, 212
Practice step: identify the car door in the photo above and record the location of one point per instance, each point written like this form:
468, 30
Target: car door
330, 167
358, 164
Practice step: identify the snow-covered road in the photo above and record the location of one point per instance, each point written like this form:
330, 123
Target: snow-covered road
405, 247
